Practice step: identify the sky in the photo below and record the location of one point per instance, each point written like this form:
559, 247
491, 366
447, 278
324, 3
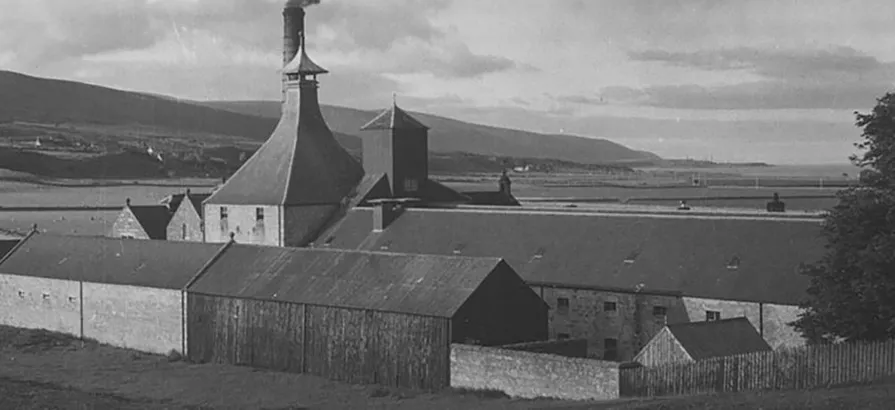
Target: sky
730, 80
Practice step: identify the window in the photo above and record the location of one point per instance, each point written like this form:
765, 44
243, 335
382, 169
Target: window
711, 315
660, 311
183, 231
223, 213
734, 263
610, 349
562, 306
259, 214
562, 336
22, 294
411, 185
610, 306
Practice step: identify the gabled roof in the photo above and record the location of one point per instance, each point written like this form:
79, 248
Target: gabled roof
415, 284
159, 264
173, 201
394, 118
300, 164
6, 245
727, 337
153, 218
491, 198
434, 191
675, 254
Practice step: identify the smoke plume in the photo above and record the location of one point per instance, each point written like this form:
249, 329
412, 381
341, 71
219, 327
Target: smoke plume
301, 3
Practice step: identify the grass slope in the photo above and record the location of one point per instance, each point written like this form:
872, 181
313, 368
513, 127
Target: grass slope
448, 135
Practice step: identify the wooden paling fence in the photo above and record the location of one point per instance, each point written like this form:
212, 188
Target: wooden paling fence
784, 369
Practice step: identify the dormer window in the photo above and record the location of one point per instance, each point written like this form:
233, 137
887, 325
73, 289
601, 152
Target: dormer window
411, 185
734, 263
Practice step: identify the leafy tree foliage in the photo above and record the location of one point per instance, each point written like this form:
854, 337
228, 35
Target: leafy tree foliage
852, 291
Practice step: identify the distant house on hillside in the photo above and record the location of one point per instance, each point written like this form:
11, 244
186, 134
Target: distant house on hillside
688, 342
142, 222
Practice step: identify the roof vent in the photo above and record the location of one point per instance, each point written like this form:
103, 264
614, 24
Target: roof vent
328, 241
385, 245
734, 263
539, 253
632, 256
459, 248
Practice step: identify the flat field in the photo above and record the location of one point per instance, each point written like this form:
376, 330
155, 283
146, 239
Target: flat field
86, 222
14, 194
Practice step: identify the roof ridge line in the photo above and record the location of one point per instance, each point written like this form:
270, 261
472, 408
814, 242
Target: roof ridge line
516, 210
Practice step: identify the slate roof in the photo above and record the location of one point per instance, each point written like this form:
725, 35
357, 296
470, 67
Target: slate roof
726, 337
671, 254
175, 200
153, 218
394, 118
415, 284
300, 164
158, 264
495, 198
6, 245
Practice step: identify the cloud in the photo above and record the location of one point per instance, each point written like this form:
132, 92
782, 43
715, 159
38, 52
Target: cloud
835, 78
580, 100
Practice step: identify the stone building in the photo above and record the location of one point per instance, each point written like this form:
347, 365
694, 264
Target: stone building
617, 279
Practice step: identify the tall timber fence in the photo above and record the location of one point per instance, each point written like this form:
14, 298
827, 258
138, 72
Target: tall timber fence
785, 369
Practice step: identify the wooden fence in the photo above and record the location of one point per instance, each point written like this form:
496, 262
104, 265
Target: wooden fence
796, 368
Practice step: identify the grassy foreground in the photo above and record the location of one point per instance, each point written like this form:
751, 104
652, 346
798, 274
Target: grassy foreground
42, 370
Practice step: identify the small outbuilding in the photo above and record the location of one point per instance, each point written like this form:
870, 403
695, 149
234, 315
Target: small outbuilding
689, 342
122, 292
356, 316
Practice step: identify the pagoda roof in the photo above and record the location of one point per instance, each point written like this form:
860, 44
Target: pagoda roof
394, 118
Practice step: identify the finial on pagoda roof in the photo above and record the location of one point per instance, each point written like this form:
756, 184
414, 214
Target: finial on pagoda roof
302, 64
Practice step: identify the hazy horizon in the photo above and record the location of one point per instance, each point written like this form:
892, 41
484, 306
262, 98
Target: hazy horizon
733, 81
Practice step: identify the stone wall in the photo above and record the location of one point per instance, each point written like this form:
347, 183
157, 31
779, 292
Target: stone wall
777, 331
530, 375
139, 318
40, 303
241, 221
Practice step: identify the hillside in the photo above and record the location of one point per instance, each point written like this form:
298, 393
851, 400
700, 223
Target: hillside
448, 135
49, 101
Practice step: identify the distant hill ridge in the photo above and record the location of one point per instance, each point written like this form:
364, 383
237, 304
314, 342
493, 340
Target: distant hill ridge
41, 100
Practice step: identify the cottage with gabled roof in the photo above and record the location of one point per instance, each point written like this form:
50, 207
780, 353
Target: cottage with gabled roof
291, 186
187, 220
356, 316
694, 341
142, 222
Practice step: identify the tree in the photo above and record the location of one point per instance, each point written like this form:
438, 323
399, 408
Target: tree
852, 287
